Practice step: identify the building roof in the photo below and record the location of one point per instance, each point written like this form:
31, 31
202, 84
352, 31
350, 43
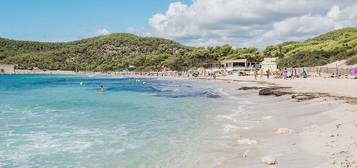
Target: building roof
268, 63
270, 59
7, 66
232, 61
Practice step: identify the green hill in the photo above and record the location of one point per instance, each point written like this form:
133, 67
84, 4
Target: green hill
326, 48
117, 52
110, 52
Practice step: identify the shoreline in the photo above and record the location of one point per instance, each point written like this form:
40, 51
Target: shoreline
339, 88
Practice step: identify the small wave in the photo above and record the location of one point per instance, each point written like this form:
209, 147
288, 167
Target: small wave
227, 128
232, 116
210, 94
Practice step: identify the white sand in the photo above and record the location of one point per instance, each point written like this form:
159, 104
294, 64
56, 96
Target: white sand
319, 133
337, 140
337, 87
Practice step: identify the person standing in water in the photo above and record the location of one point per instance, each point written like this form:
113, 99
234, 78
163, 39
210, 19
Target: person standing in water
214, 76
101, 90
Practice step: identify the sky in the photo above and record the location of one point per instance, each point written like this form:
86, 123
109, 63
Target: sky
240, 23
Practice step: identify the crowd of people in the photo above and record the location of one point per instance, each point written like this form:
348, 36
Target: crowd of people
286, 73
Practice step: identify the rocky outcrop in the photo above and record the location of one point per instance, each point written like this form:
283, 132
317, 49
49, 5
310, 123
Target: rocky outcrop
210, 94
276, 91
251, 88
280, 91
302, 97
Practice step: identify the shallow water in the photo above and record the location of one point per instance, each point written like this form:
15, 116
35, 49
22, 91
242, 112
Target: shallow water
52, 121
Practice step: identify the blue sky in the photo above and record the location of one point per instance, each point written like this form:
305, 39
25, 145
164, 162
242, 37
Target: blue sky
64, 20
240, 23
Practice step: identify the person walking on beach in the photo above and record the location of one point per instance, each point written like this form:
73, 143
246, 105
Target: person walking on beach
292, 76
268, 73
285, 73
255, 74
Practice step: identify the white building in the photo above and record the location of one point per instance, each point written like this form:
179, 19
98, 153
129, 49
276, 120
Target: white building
238, 64
269, 63
7, 69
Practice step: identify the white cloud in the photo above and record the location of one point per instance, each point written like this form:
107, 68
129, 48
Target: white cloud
253, 22
101, 32
139, 32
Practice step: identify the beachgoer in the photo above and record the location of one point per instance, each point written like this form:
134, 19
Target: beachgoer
333, 75
292, 75
255, 74
285, 73
268, 73
101, 89
319, 72
304, 73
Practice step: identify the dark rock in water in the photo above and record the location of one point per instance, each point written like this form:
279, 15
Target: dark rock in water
187, 85
276, 91
303, 97
266, 92
251, 88
210, 94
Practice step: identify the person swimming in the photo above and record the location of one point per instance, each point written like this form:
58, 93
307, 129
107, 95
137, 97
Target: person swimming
101, 89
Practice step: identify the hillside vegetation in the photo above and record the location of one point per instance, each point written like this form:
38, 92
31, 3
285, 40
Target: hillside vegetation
110, 52
117, 52
330, 47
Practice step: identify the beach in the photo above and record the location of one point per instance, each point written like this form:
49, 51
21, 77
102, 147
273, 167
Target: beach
320, 132
178, 84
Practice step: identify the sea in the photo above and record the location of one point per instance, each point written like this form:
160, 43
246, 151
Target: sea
64, 121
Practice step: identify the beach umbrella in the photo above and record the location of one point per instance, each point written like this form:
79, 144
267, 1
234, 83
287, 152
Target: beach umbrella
353, 70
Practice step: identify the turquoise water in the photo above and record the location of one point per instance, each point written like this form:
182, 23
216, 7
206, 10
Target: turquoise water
52, 121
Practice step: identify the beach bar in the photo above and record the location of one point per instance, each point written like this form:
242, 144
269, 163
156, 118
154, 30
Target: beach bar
238, 64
